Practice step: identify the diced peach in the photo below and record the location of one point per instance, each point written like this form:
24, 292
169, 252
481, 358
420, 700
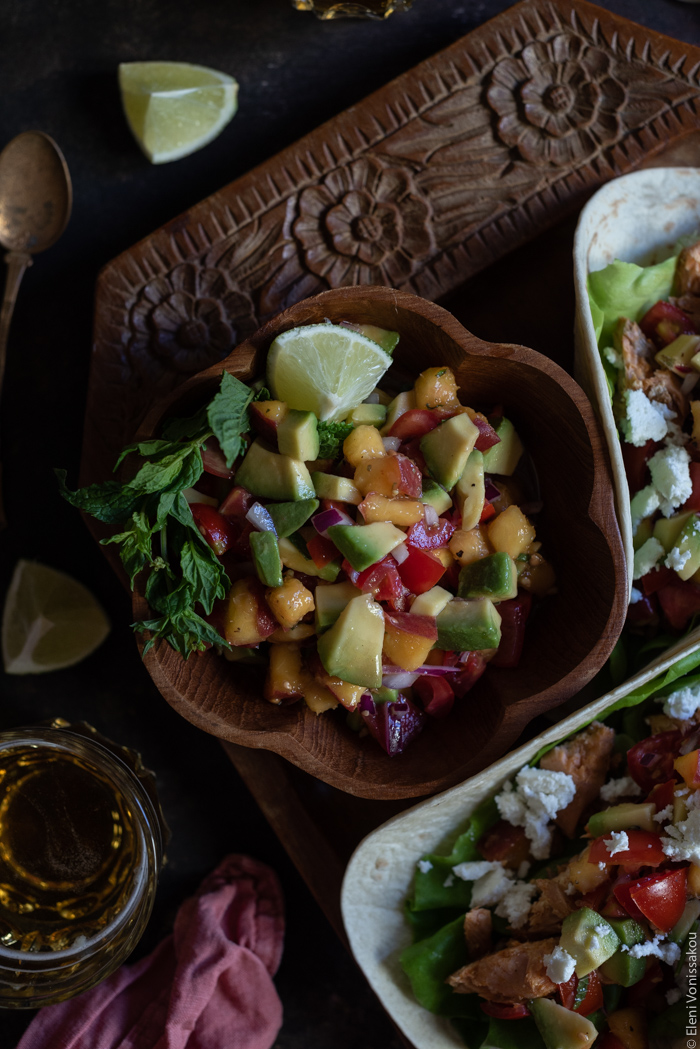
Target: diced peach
364, 442
265, 417
511, 532
408, 639
444, 556
537, 577
688, 766
630, 1027
317, 697
300, 632
286, 678
290, 602
391, 475
585, 876
401, 512
347, 695
436, 388
470, 546
246, 618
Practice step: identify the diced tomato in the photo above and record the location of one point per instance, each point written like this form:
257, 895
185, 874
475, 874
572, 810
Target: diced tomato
487, 435
412, 450
427, 538
656, 579
584, 996
664, 322
501, 1011
321, 550
334, 504
643, 612
514, 615
383, 580
214, 459
487, 512
693, 500
410, 478
679, 600
464, 680
237, 503
612, 908
662, 794
635, 460
661, 897
421, 570
596, 897
218, 531
644, 850
416, 422
436, 695
505, 843
621, 892
352, 573
651, 760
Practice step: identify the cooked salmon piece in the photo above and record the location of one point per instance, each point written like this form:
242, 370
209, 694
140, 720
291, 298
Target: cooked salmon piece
586, 758
477, 932
665, 387
688, 271
636, 351
552, 905
690, 304
516, 973
506, 844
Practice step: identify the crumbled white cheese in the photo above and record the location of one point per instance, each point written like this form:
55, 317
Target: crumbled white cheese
642, 419
635, 595
674, 995
524, 869
664, 815
560, 965
683, 703
601, 930
449, 881
617, 842
539, 795
683, 840
491, 888
670, 475
657, 948
613, 356
602, 866
570, 889
424, 866
472, 871
625, 787
677, 559
644, 504
646, 557
515, 905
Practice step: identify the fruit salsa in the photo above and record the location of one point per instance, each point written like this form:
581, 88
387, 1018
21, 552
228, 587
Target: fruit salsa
565, 913
372, 548
647, 322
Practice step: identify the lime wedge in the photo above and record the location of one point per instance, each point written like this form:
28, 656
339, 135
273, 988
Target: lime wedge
324, 368
49, 621
173, 108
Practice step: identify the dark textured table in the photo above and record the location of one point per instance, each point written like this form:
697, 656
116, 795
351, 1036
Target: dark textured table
58, 73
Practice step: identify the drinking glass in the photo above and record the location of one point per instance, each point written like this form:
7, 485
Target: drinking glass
326, 9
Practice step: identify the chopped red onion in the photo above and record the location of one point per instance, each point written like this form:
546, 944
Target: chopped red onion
366, 703
689, 382
327, 518
392, 444
372, 399
260, 518
427, 669
400, 553
431, 516
399, 679
490, 491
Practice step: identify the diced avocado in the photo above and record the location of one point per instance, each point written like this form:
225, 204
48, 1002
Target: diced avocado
690, 915
667, 529
621, 968
447, 448
362, 545
561, 1028
367, 415
297, 435
386, 339
385, 695
352, 648
272, 476
289, 517
589, 938
470, 491
330, 602
329, 486
266, 558
502, 458
622, 817
686, 551
494, 576
403, 402
293, 558
435, 495
678, 355
468, 626
432, 602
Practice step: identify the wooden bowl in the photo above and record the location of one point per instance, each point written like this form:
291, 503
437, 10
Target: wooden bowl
568, 639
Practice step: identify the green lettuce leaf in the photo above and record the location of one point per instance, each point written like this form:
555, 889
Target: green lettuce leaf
228, 416
430, 890
428, 964
624, 289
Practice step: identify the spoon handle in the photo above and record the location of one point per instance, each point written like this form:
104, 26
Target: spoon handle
17, 262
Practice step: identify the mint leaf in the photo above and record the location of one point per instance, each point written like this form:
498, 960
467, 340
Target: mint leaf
331, 436
228, 416
110, 502
185, 631
135, 545
195, 428
169, 466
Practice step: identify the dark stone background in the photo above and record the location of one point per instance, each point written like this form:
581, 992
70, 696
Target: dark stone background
58, 61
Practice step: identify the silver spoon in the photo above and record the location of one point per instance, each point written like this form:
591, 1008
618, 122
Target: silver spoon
35, 205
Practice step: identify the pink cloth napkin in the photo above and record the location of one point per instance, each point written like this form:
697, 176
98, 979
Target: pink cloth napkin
207, 986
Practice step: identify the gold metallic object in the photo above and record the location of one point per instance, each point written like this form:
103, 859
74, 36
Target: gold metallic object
35, 205
326, 9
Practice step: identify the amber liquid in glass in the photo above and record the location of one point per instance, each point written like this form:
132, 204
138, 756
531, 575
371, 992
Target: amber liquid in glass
67, 850
326, 9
